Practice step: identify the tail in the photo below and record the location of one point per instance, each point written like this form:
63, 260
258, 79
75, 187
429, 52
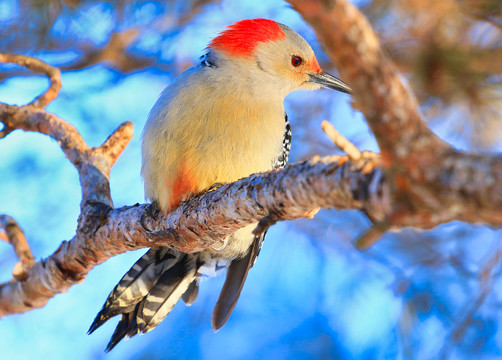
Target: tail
148, 292
237, 273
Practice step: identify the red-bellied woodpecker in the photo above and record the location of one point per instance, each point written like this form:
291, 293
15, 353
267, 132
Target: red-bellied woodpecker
218, 122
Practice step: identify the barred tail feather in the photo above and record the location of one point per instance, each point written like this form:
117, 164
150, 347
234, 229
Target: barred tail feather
125, 328
166, 293
192, 292
155, 305
136, 284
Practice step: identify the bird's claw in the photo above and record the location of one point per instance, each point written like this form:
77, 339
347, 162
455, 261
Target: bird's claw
265, 224
223, 242
215, 186
152, 211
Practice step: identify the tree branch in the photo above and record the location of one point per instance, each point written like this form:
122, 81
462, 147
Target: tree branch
15, 236
93, 165
200, 222
38, 66
339, 140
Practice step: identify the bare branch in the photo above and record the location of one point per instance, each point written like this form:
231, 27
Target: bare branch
292, 193
93, 165
425, 174
200, 222
370, 237
116, 142
421, 181
15, 236
38, 66
29, 118
339, 140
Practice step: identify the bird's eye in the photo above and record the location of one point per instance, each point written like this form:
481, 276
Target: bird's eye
296, 61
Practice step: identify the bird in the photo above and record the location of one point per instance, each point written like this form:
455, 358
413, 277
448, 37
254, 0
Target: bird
218, 122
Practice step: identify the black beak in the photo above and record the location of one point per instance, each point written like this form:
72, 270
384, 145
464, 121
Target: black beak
330, 81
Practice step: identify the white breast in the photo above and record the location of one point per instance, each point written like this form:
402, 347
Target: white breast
218, 132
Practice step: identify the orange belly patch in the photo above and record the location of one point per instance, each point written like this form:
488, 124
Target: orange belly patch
183, 186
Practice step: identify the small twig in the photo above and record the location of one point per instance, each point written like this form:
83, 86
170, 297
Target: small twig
15, 236
364, 160
116, 142
6, 131
29, 118
38, 66
370, 237
339, 140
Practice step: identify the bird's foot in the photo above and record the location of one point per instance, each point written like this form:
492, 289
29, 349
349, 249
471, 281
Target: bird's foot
220, 245
215, 186
265, 224
151, 211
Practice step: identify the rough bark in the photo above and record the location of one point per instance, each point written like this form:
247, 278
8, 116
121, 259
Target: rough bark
198, 223
13, 234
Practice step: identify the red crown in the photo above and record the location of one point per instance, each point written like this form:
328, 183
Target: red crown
240, 38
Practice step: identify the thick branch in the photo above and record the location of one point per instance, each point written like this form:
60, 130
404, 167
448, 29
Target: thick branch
200, 222
94, 166
422, 181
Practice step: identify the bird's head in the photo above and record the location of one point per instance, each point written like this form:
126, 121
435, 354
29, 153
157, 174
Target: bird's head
285, 56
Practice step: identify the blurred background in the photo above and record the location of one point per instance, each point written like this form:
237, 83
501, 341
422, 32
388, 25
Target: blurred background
311, 295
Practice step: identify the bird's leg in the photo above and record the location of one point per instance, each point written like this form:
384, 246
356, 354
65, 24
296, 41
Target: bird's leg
265, 224
152, 211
